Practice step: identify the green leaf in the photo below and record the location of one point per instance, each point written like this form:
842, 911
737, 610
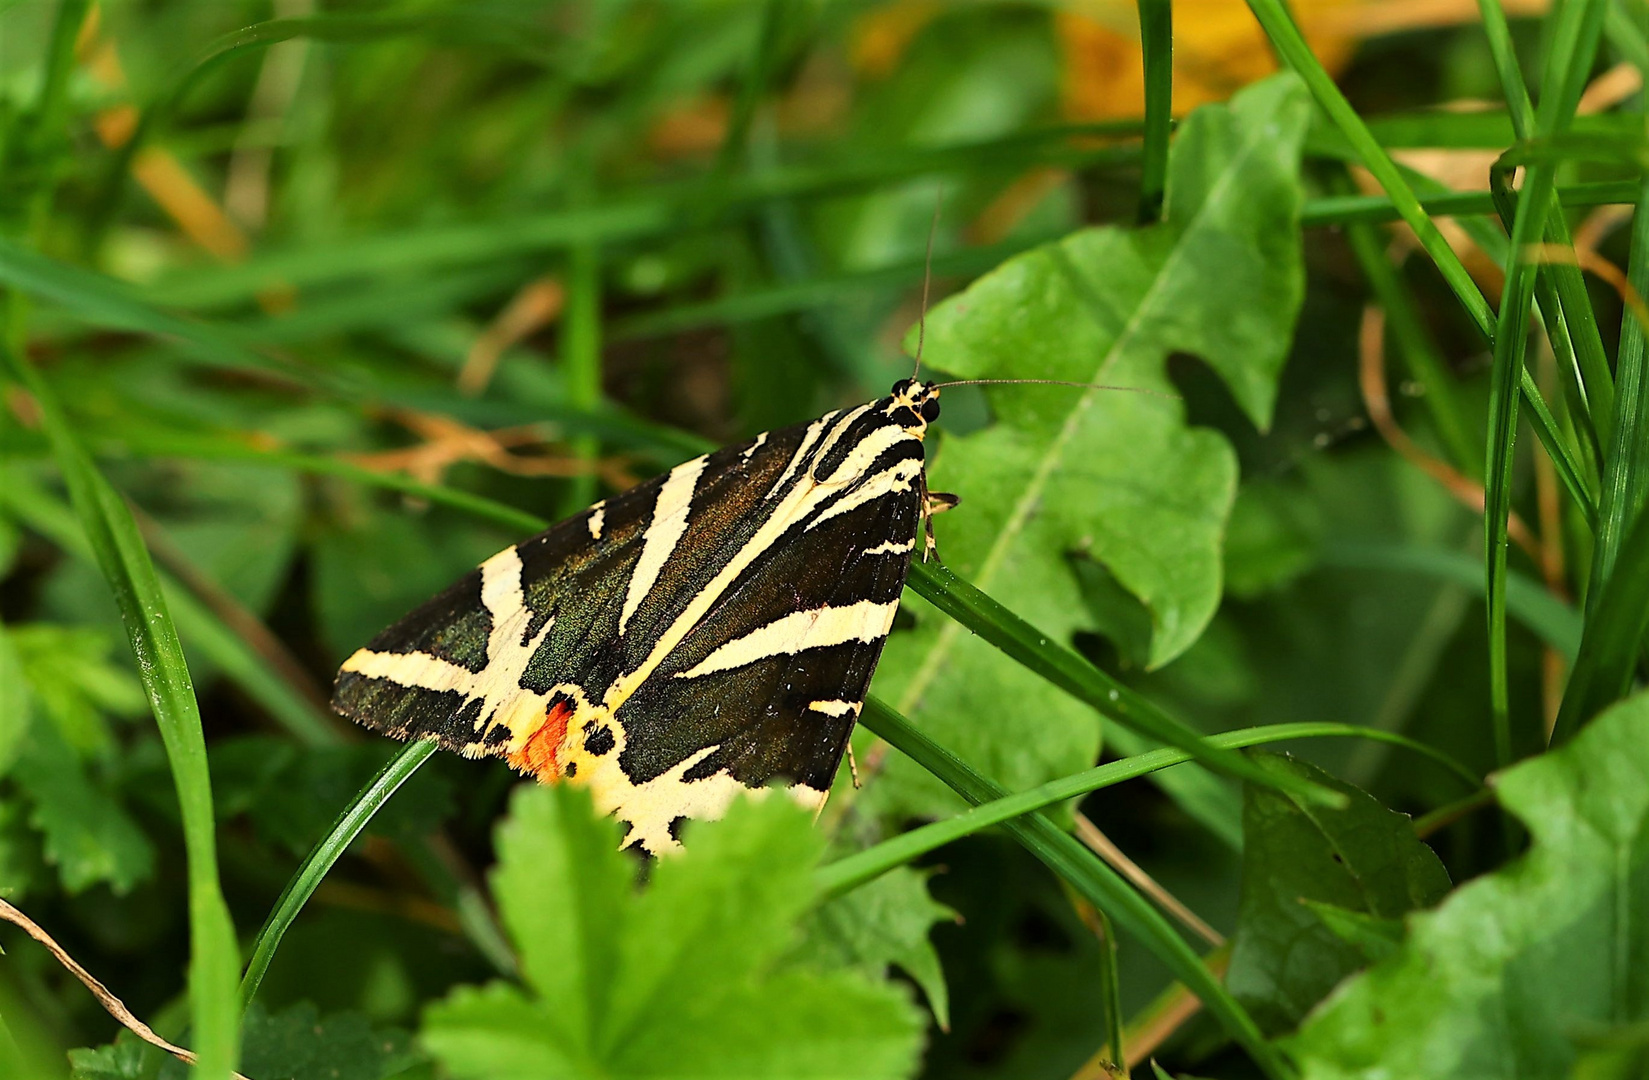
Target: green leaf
1373, 937
1116, 477
14, 700
298, 1043
683, 979
68, 671
1363, 858
85, 831
1508, 973
122, 1059
883, 922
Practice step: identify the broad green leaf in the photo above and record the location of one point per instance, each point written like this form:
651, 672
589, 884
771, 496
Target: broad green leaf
684, 978
14, 700
1363, 858
85, 832
883, 922
1119, 478
122, 1059
67, 670
1512, 972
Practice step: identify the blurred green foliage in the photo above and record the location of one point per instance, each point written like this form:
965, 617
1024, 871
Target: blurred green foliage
340, 297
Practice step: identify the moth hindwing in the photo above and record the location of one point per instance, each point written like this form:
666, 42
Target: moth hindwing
708, 632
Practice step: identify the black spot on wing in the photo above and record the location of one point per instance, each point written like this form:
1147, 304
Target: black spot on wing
599, 741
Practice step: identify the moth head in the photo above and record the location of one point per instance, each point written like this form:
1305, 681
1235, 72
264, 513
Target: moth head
914, 404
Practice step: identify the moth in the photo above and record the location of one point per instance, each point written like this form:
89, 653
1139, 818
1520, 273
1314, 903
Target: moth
709, 632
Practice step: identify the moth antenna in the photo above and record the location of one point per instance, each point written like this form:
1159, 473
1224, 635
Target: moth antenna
927, 279
1057, 382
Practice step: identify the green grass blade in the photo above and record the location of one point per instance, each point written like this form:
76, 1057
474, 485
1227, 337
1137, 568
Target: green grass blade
1156, 43
197, 624
856, 869
1626, 458
354, 818
581, 361
104, 302
1579, 320
1083, 870
1286, 38
1574, 40
985, 617
1613, 639
112, 532
1330, 210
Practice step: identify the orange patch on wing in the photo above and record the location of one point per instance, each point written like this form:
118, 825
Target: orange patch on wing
538, 754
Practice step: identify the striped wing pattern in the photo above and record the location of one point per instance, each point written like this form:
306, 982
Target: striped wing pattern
710, 631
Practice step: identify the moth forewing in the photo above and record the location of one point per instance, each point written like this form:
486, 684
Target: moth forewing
709, 632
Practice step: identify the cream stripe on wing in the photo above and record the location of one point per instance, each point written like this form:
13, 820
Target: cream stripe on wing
669, 523
891, 547
836, 708
413, 669
886, 482
864, 621
808, 439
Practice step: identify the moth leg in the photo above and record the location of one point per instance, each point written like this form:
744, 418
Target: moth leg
853, 766
933, 502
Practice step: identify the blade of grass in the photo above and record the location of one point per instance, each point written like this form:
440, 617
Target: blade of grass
1330, 210
1099, 884
987, 618
354, 818
1575, 32
1578, 317
1626, 458
113, 534
1612, 640
1291, 45
1156, 44
854, 870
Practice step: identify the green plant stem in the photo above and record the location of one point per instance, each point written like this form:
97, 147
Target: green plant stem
349, 824
1062, 667
1101, 886
1156, 43
857, 869
113, 534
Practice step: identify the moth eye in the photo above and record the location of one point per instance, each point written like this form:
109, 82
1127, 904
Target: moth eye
930, 409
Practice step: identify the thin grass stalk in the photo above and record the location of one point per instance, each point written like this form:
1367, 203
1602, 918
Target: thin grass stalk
1099, 884
1064, 668
1331, 210
1579, 320
1156, 43
1291, 45
1626, 459
1574, 41
1613, 639
850, 872
349, 824
113, 534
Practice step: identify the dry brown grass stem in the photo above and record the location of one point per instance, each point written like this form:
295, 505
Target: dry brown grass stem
1101, 845
114, 1006
535, 305
446, 442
